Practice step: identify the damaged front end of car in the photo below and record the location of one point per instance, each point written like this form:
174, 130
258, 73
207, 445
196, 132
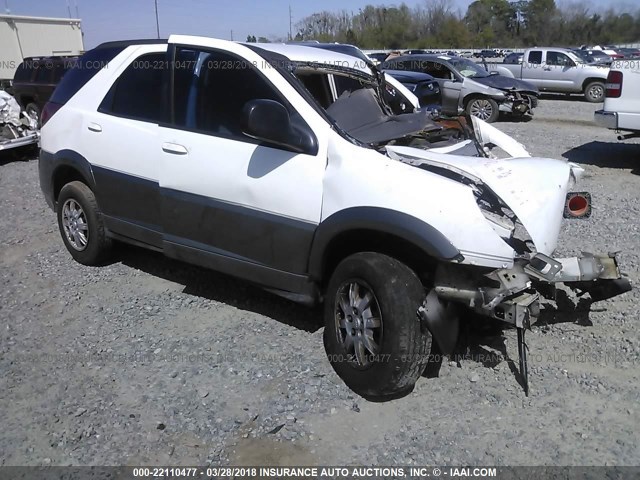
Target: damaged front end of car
524, 200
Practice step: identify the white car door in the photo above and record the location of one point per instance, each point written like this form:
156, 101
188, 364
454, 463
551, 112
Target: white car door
121, 135
240, 204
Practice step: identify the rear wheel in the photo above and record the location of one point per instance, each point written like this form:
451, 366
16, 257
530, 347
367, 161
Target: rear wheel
594, 92
483, 108
81, 224
372, 334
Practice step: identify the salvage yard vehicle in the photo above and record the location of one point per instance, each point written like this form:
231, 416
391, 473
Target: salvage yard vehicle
621, 109
423, 86
36, 79
557, 70
465, 84
17, 128
281, 165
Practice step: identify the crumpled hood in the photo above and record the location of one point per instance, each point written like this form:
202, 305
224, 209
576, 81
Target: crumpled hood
506, 83
533, 188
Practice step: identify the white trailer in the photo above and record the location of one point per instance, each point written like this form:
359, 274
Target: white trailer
23, 37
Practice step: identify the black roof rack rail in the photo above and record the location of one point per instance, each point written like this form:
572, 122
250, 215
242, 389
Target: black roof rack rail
126, 43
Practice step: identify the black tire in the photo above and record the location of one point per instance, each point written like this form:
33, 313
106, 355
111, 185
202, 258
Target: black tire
403, 347
483, 108
594, 92
94, 249
33, 111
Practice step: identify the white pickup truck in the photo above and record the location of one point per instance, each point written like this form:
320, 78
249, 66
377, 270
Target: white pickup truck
621, 110
558, 70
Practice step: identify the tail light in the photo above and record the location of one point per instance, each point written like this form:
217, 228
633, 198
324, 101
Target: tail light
614, 84
49, 110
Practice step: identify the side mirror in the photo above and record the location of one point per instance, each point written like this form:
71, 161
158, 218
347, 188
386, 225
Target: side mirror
269, 121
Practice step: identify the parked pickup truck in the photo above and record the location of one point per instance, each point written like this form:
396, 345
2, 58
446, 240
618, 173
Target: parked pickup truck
558, 70
621, 111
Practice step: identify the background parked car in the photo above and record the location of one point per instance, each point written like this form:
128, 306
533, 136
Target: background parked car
36, 79
423, 86
486, 54
629, 52
558, 70
465, 84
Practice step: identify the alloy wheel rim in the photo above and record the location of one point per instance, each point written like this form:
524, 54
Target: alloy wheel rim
358, 322
75, 225
481, 109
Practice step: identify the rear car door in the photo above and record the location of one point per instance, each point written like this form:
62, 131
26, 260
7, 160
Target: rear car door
240, 205
123, 138
532, 65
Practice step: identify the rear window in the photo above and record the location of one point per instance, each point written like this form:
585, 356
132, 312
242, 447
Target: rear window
82, 71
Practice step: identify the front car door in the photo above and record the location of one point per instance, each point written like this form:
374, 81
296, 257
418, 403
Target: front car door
229, 201
559, 73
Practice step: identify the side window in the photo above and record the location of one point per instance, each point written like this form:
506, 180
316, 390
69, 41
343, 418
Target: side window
212, 88
558, 58
535, 56
137, 93
438, 70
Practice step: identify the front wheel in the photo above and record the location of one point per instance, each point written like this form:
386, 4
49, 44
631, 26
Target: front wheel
372, 336
594, 92
81, 224
483, 108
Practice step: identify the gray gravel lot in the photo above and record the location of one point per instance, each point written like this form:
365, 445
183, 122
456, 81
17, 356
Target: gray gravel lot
149, 361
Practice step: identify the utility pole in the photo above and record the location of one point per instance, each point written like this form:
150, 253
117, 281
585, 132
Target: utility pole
232, 35
157, 20
290, 24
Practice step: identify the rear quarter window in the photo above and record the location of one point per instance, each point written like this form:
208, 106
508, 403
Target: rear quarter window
137, 93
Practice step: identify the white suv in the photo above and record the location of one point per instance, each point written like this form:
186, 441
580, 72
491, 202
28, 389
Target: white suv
286, 166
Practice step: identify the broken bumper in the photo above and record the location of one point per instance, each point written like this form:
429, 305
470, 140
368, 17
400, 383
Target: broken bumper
511, 295
606, 119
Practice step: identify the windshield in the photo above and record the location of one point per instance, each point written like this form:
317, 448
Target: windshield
468, 69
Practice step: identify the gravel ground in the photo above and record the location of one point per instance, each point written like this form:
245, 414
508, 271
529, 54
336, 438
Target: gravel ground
149, 361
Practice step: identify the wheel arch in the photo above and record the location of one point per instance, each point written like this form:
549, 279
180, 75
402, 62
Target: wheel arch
589, 80
69, 166
380, 230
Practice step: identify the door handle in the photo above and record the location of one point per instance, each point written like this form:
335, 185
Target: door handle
94, 127
547, 69
174, 148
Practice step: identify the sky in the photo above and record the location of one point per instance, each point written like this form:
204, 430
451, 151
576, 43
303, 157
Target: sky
105, 20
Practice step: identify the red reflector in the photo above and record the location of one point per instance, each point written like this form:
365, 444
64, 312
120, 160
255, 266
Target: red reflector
613, 87
577, 205
48, 111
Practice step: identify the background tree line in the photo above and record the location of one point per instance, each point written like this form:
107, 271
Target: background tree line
486, 23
